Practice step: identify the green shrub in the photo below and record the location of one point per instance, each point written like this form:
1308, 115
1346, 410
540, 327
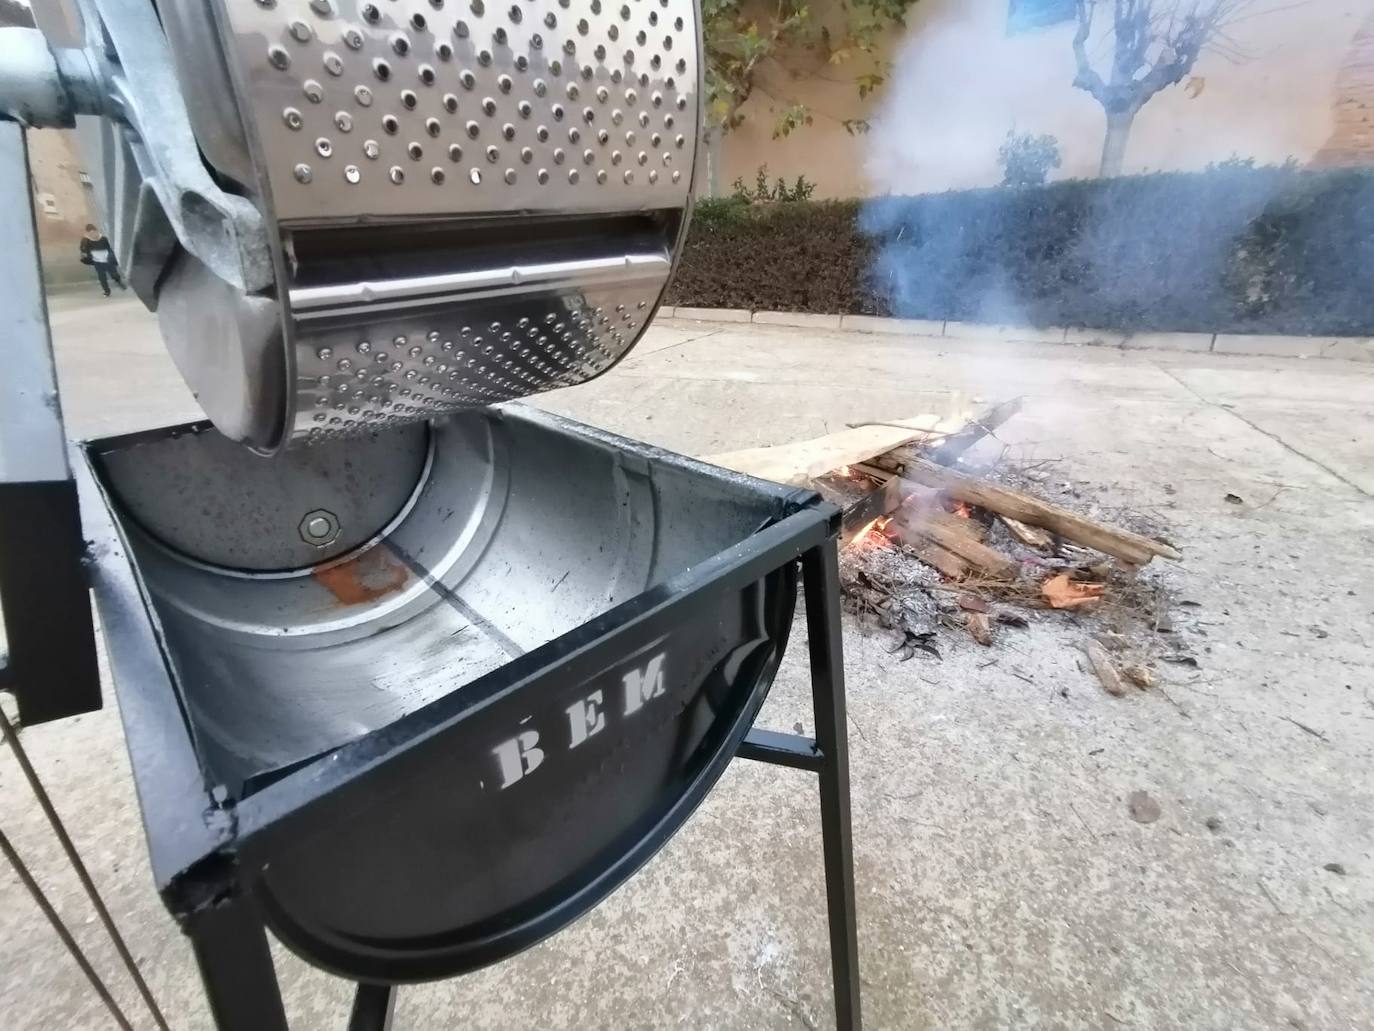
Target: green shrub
1027, 160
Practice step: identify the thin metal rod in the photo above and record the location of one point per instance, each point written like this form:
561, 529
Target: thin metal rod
821, 580
373, 1006
12, 739
63, 933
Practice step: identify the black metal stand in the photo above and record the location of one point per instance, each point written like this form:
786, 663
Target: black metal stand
231, 944
828, 756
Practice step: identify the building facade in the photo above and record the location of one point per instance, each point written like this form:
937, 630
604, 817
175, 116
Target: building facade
1286, 81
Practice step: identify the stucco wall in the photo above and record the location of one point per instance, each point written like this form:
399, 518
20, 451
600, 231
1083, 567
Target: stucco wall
961, 80
61, 202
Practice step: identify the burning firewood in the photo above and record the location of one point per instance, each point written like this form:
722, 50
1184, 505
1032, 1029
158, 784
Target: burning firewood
1122, 544
913, 528
1030, 536
929, 526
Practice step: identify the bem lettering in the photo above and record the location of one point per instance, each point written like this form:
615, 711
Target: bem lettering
585, 718
519, 757
641, 685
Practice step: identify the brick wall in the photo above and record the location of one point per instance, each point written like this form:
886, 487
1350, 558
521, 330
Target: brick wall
1352, 135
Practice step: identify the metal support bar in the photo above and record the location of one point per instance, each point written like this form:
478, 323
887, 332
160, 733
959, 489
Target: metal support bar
63, 933
373, 1006
821, 582
791, 750
74, 857
236, 967
44, 604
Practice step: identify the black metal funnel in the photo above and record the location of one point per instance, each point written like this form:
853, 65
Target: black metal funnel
426, 697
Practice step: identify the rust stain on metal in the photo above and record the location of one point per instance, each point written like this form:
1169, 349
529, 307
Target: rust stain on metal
372, 575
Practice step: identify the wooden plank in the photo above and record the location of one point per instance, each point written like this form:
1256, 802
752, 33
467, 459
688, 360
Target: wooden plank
800, 462
1127, 546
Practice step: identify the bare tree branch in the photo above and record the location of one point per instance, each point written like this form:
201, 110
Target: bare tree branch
1086, 79
1154, 45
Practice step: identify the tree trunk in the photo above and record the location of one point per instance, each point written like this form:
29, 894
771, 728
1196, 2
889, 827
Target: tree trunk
1114, 146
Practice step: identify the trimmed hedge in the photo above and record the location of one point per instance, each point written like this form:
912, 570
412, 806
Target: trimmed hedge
1235, 248
788, 256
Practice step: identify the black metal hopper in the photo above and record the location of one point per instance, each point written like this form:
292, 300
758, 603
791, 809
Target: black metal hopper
418, 702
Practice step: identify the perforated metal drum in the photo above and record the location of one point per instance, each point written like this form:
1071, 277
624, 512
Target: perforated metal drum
468, 201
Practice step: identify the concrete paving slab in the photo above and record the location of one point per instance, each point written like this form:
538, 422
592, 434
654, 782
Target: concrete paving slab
979, 331
714, 314
1168, 341
1351, 349
799, 319
1095, 337
899, 327
1002, 881
1279, 346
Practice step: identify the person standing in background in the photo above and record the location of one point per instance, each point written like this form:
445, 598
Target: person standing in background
97, 252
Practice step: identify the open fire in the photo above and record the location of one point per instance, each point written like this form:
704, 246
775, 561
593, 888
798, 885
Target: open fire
921, 536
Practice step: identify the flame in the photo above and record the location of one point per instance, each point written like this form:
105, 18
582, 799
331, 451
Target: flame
962, 510
843, 470
866, 528
873, 526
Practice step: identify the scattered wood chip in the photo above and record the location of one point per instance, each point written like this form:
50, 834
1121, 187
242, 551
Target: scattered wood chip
1107, 675
971, 603
1113, 641
979, 628
1139, 676
1060, 592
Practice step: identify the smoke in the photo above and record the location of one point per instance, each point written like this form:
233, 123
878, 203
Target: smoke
1191, 238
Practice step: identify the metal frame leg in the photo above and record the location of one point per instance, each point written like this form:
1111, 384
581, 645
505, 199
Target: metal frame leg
373, 1005
828, 757
236, 968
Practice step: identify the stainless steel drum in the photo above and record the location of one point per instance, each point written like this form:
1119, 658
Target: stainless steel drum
460, 202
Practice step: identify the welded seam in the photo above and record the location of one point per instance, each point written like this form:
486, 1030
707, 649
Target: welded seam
1272, 436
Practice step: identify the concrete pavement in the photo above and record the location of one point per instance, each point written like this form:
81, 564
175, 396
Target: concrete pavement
1002, 880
